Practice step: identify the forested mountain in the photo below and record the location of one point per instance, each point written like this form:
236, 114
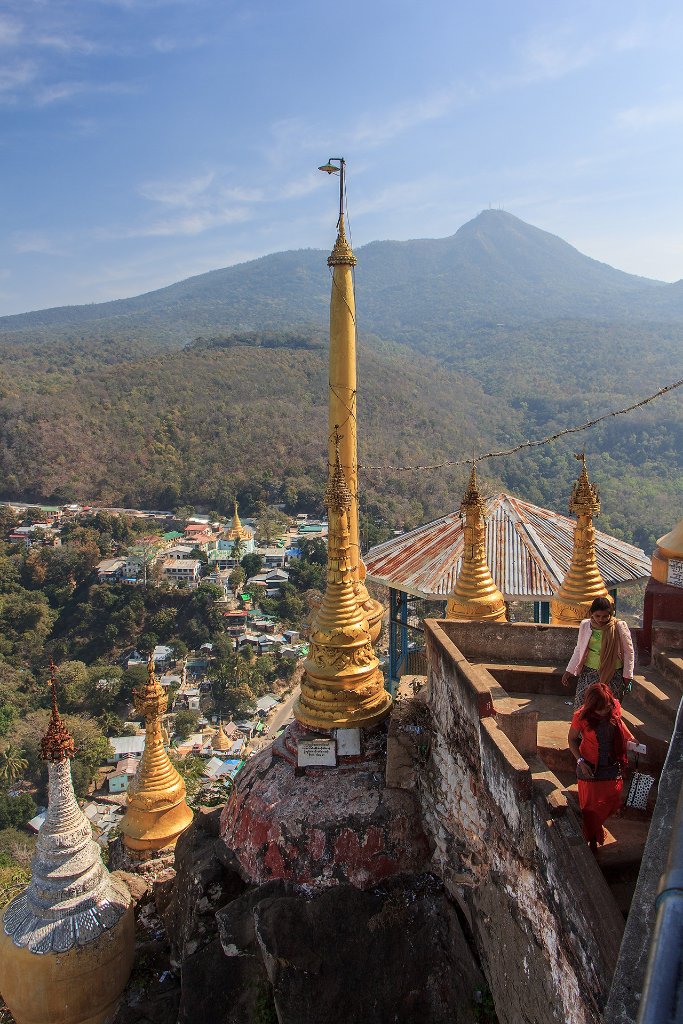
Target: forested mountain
494, 267
478, 341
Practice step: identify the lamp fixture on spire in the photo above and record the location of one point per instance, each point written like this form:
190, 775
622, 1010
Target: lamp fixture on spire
331, 168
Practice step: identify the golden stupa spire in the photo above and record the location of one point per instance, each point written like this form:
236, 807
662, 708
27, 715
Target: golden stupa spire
583, 582
236, 524
669, 549
67, 942
475, 595
343, 686
342, 388
220, 740
157, 812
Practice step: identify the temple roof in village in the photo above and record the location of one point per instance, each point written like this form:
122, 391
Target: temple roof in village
528, 550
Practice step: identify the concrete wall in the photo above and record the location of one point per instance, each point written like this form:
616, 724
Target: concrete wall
508, 847
526, 642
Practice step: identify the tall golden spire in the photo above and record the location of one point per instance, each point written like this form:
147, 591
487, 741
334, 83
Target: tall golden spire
343, 686
583, 582
157, 812
342, 389
475, 595
67, 942
237, 531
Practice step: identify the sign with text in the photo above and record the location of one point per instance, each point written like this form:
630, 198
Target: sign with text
675, 575
348, 742
317, 752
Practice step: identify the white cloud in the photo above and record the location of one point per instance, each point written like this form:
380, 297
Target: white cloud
15, 77
66, 43
10, 31
380, 128
178, 193
34, 242
194, 223
652, 115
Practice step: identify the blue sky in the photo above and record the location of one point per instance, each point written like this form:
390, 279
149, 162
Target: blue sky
143, 141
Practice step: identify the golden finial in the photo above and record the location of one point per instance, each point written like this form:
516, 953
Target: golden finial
342, 252
472, 498
585, 498
57, 743
337, 493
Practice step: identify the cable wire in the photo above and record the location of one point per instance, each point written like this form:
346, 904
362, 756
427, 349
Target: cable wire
523, 444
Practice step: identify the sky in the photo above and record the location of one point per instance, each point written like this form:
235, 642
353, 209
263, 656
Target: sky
145, 141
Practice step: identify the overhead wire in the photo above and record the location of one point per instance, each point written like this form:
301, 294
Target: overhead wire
448, 463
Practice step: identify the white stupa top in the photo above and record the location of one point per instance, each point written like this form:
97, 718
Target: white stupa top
72, 898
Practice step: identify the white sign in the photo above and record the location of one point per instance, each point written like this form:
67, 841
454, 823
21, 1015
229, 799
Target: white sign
321, 751
348, 742
675, 577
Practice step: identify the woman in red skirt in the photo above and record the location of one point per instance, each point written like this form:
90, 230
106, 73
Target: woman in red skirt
597, 739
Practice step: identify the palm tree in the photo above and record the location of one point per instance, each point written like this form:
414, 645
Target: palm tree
237, 550
12, 764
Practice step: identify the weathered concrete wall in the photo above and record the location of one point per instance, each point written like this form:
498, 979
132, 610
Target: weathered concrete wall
526, 642
510, 850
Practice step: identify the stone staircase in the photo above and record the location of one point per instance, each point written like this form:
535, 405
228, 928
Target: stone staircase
533, 694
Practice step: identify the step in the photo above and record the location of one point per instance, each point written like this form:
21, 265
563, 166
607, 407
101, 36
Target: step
521, 677
654, 691
669, 663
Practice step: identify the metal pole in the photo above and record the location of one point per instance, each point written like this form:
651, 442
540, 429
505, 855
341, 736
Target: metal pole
662, 998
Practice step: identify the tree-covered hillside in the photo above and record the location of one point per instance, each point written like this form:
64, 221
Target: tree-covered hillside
217, 385
245, 414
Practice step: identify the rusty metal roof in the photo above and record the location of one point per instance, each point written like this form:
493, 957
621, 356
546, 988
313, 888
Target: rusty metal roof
528, 550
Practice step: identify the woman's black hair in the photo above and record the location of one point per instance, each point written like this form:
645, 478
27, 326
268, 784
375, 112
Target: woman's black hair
602, 604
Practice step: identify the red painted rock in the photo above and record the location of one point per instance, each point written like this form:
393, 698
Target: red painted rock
329, 826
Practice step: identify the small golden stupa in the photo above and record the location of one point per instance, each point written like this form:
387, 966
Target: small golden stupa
67, 942
583, 582
343, 687
669, 549
343, 392
157, 812
475, 596
237, 531
221, 740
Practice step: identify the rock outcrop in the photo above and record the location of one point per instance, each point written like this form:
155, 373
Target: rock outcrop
297, 954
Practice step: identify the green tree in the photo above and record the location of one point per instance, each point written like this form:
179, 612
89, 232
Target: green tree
12, 764
8, 520
236, 579
230, 689
252, 564
237, 549
15, 811
185, 723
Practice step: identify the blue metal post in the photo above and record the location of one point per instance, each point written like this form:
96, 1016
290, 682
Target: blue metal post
398, 635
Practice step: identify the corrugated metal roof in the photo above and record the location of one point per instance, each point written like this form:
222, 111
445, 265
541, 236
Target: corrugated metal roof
528, 550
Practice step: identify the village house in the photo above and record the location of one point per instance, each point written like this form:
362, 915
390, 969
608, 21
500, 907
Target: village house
182, 570
125, 770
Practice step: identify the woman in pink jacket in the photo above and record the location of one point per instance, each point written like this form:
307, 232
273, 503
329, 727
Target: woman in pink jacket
603, 653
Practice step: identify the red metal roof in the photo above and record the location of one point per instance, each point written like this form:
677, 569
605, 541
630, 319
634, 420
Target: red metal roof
528, 550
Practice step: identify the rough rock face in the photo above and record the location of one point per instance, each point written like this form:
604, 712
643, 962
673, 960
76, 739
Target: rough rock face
205, 879
322, 828
295, 954
394, 953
